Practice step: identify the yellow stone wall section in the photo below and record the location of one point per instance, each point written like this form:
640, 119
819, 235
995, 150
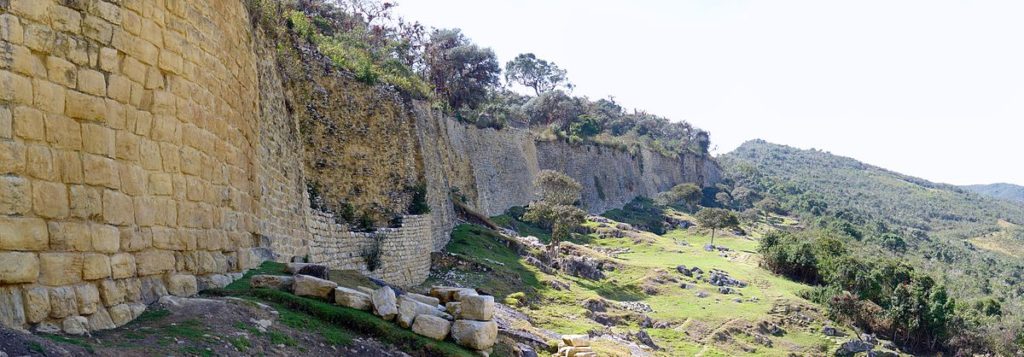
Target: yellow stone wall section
127, 136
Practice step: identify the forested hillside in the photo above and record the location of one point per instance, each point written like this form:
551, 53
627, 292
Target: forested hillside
967, 243
1004, 191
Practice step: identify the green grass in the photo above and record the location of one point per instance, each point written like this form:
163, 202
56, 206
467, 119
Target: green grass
483, 246
36, 347
71, 341
524, 228
240, 343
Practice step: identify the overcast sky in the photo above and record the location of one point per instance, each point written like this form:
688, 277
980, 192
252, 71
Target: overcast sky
929, 88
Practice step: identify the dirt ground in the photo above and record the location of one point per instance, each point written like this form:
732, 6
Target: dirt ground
198, 327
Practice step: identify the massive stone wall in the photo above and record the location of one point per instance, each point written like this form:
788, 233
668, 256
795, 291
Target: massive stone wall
159, 147
127, 135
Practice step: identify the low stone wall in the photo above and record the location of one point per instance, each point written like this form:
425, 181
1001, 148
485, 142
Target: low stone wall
404, 252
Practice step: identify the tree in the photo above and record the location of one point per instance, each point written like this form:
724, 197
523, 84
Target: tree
723, 199
687, 193
460, 72
766, 206
533, 72
559, 195
716, 218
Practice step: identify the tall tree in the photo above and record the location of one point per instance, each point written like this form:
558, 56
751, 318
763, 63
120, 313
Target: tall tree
559, 194
460, 71
715, 219
536, 73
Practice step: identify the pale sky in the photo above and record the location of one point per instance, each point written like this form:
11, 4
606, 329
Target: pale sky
933, 89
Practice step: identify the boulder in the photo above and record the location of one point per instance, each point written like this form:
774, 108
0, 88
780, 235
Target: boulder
120, 314
459, 294
75, 325
829, 331
431, 326
478, 335
576, 340
852, 347
101, 320
384, 303
318, 271
445, 294
279, 282
315, 287
352, 298
182, 285
429, 300
479, 307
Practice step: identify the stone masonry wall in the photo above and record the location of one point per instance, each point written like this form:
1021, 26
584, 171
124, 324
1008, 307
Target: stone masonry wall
404, 252
127, 135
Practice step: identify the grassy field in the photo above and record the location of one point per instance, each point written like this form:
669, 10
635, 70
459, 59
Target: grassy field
714, 325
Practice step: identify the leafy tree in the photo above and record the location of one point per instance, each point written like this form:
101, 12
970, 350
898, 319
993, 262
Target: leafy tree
556, 208
536, 73
688, 194
767, 206
460, 71
723, 199
715, 219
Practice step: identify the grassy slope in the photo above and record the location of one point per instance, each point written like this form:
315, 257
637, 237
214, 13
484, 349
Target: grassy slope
563, 312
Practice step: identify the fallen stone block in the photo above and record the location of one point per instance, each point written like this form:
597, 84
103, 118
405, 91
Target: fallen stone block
576, 340
409, 308
385, 304
431, 326
352, 298
313, 287
477, 307
429, 300
280, 282
75, 325
478, 335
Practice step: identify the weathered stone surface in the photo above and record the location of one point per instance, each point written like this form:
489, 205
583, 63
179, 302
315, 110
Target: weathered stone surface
477, 307
63, 302
24, 234
12, 311
95, 266
352, 298
314, 287
576, 340
75, 325
385, 304
154, 262
478, 335
58, 269
120, 314
182, 285
18, 267
429, 300
150, 289
137, 309
453, 308
293, 268
37, 303
88, 298
408, 309
101, 320
112, 292
446, 294
279, 282
213, 281
431, 326
122, 266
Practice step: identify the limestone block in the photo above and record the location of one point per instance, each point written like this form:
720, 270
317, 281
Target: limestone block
88, 298
97, 139
25, 234
459, 294
58, 269
105, 238
40, 164
95, 266
576, 340
429, 300
315, 287
478, 335
213, 281
112, 292
352, 298
97, 29
75, 325
478, 307
15, 193
86, 202
182, 285
15, 88
152, 289
431, 326
408, 309
384, 303
121, 314
79, 105
31, 9
137, 309
18, 267
50, 199
279, 282
6, 118
37, 303
70, 236
48, 96
154, 262
10, 29
453, 308
122, 265
101, 320
100, 171
12, 312
118, 208
65, 19
63, 302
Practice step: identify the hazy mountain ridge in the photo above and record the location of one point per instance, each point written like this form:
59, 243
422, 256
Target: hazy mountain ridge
1006, 191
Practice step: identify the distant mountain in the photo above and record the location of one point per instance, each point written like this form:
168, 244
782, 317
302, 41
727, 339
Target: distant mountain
1006, 191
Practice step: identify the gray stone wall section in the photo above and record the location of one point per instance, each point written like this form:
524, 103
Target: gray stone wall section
404, 250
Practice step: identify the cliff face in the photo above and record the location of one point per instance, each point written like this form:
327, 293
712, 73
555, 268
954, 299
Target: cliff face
153, 148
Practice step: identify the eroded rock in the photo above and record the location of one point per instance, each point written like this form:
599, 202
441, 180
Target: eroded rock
314, 287
431, 326
478, 335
